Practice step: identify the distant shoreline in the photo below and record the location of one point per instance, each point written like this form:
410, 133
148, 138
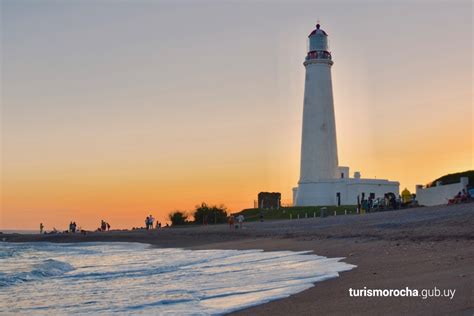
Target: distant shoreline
419, 248
19, 231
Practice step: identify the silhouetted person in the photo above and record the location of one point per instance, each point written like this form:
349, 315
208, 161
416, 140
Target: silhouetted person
103, 226
147, 222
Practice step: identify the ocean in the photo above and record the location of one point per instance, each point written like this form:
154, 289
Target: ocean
133, 278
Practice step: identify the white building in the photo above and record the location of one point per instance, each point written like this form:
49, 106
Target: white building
322, 180
440, 194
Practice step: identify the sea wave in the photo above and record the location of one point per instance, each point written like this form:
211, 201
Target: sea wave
127, 278
45, 269
7, 253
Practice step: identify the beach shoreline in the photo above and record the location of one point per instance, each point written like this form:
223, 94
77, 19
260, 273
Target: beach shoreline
420, 248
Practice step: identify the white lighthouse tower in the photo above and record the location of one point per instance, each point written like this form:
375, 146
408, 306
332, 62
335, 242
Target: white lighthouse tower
322, 181
318, 146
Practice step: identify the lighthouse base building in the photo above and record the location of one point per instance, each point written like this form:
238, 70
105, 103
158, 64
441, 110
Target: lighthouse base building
322, 180
342, 191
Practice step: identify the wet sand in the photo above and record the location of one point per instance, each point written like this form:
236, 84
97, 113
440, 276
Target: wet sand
418, 248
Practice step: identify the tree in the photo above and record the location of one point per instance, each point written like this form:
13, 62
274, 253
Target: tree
178, 218
210, 214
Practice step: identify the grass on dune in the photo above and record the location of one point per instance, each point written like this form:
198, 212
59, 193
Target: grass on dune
253, 214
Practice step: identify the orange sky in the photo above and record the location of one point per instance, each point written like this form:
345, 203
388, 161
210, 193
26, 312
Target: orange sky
134, 110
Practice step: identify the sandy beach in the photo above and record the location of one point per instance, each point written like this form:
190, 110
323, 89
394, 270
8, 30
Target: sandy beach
420, 248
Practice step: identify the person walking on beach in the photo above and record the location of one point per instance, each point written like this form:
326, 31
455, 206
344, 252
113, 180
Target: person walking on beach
241, 219
231, 221
72, 227
152, 219
103, 225
41, 228
108, 226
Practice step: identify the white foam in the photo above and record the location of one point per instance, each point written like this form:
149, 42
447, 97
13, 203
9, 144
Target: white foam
112, 278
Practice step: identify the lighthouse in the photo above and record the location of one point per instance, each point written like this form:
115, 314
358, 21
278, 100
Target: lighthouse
322, 181
318, 143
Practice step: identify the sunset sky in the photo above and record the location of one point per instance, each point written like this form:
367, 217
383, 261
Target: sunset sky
117, 109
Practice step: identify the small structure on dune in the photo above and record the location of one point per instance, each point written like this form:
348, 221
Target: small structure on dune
269, 200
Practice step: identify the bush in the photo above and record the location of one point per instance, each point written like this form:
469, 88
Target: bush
206, 214
178, 218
